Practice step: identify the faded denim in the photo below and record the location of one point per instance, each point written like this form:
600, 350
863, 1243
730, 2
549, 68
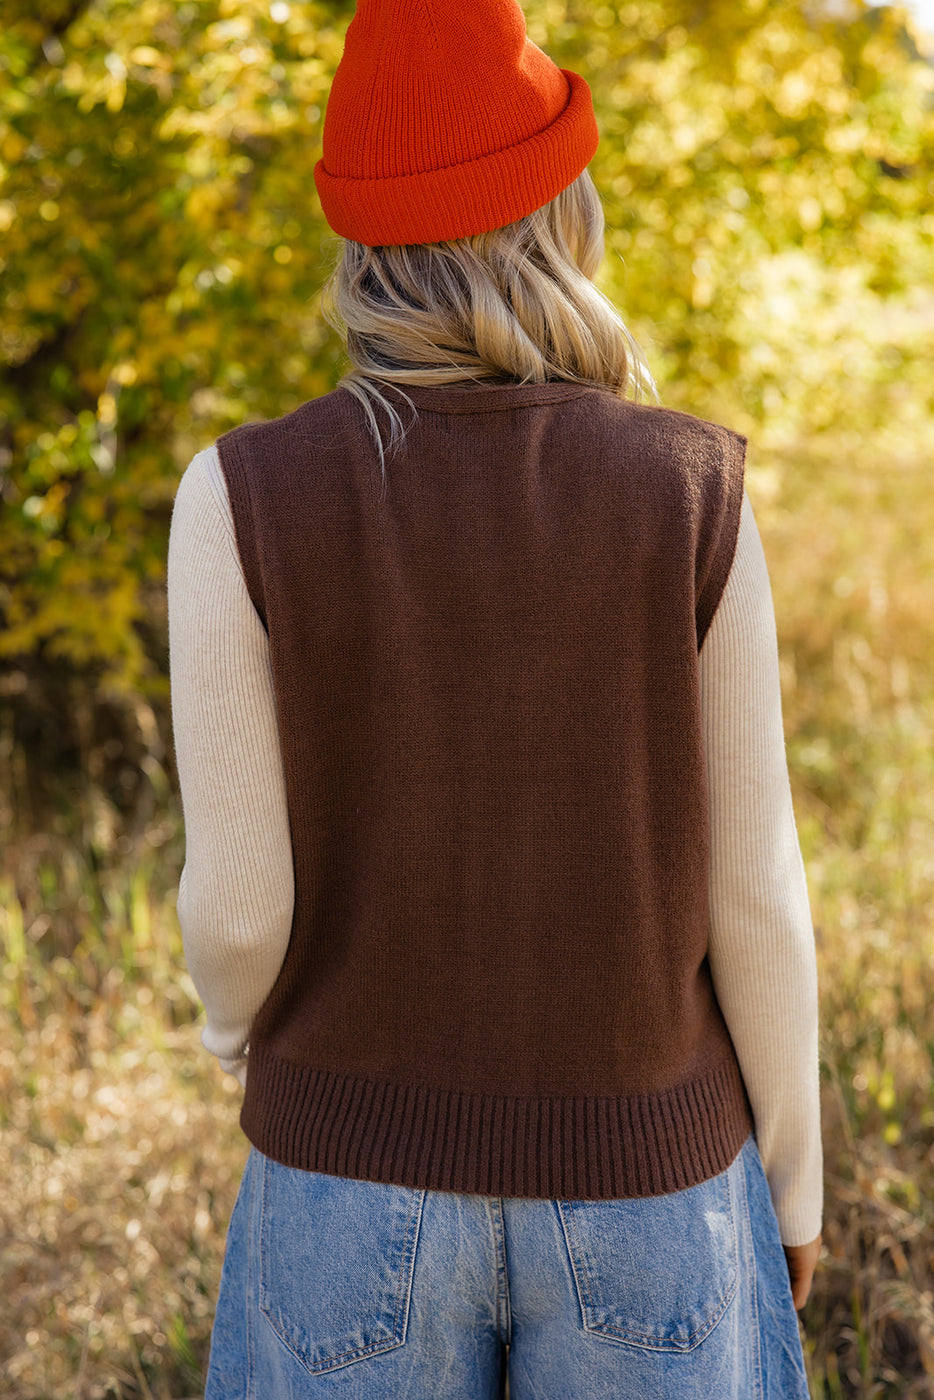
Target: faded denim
337, 1287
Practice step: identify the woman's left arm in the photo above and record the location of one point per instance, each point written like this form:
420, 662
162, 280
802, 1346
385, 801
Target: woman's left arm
236, 894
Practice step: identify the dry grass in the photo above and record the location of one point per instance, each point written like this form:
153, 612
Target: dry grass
850, 538
120, 1147
124, 1152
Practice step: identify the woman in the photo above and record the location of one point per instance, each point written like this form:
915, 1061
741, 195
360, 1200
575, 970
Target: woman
491, 860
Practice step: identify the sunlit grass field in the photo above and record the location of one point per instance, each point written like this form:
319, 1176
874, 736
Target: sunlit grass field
120, 1151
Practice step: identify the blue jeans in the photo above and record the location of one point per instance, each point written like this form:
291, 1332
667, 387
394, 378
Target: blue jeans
337, 1287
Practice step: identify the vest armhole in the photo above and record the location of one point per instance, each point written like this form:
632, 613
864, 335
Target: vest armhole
733, 457
233, 466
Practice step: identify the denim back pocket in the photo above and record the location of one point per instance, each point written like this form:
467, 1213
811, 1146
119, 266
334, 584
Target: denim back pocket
336, 1263
658, 1272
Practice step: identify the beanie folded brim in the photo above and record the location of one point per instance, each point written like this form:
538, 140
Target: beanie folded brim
435, 206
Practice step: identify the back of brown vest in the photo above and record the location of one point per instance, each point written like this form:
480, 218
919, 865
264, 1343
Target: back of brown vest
486, 673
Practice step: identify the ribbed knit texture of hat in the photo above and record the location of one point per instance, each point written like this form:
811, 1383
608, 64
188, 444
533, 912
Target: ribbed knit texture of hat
445, 120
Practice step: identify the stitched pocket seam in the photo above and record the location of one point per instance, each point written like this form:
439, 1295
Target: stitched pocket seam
403, 1294
609, 1332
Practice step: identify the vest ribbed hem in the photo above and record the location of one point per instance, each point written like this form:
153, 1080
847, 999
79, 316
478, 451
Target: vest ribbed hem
573, 1148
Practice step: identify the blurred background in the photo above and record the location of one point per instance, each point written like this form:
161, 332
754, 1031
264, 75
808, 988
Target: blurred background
767, 172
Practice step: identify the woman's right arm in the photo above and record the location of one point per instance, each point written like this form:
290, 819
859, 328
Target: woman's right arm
762, 953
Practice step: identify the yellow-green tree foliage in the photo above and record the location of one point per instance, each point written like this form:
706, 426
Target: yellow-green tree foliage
766, 167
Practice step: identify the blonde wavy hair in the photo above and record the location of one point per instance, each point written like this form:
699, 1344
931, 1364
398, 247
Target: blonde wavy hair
517, 304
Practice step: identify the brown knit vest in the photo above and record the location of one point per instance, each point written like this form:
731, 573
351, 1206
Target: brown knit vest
486, 674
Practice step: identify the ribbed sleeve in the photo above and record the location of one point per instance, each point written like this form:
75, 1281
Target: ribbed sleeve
761, 940
236, 893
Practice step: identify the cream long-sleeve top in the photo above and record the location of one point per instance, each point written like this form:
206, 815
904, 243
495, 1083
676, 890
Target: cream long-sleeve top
236, 892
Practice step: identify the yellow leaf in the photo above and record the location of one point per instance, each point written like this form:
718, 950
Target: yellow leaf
148, 57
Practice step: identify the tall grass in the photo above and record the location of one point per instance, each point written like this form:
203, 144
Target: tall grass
850, 536
119, 1142
120, 1149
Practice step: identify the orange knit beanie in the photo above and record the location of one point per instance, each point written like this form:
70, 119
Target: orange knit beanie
445, 120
